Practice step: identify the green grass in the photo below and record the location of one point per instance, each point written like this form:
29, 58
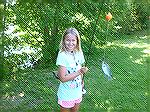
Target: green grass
129, 59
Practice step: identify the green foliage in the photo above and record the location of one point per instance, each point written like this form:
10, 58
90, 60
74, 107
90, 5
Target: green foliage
129, 17
40, 25
1, 15
2, 25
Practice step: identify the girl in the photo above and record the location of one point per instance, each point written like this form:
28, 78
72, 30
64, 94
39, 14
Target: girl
70, 72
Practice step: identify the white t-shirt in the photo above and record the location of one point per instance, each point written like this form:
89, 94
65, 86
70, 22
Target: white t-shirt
70, 90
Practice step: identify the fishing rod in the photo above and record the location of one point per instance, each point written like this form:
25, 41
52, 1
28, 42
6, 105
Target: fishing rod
90, 46
91, 42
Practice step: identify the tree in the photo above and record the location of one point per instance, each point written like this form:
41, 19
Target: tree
2, 25
41, 24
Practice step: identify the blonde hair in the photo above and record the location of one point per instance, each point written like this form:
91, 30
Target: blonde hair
74, 32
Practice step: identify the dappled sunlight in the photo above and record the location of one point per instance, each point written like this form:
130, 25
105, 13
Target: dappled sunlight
128, 44
144, 37
21, 94
132, 44
31, 54
6, 85
12, 96
103, 105
138, 61
81, 18
146, 52
146, 94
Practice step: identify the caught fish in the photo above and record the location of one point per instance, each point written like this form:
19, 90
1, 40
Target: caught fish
106, 70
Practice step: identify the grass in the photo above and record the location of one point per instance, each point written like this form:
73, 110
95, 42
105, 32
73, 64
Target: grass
129, 59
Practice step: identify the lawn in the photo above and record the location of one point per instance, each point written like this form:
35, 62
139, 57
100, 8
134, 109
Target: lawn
129, 59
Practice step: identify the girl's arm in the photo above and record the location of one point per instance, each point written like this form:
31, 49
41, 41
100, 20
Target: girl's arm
62, 71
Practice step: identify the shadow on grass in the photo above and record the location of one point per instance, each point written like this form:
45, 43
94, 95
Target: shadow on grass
33, 90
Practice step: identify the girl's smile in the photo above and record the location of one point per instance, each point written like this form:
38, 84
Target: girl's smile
70, 42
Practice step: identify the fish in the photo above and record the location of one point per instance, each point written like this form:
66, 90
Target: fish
106, 70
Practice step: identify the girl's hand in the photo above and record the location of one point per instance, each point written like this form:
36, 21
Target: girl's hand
83, 70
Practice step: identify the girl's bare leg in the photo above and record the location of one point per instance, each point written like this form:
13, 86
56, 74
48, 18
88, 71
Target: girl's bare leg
75, 108
62, 109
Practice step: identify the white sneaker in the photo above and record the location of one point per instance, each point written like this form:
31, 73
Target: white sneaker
83, 91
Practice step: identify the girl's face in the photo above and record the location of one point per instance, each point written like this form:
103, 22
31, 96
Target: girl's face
70, 42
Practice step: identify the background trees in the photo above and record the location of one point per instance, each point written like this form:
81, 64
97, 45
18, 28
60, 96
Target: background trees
32, 30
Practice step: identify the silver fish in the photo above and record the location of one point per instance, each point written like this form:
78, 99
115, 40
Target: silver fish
106, 70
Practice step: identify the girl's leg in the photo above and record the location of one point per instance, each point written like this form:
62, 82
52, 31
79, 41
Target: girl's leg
75, 108
62, 109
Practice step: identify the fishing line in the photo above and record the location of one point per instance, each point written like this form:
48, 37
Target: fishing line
104, 53
105, 67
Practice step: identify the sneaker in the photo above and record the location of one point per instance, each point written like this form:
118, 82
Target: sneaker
83, 91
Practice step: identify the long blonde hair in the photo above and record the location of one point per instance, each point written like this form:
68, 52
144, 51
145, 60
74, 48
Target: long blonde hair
74, 32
